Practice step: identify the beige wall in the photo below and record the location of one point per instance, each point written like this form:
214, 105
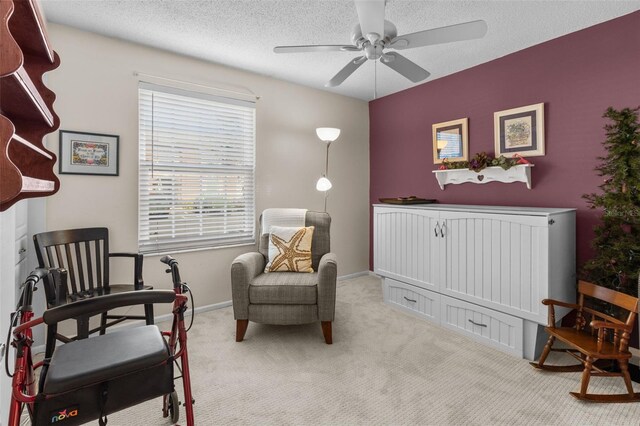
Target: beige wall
97, 92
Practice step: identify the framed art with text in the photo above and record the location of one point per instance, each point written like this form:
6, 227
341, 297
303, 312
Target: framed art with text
83, 153
450, 141
519, 131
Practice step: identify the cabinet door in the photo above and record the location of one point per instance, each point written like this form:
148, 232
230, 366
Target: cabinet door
406, 247
498, 261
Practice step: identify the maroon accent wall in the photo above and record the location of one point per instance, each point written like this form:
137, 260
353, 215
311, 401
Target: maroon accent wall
577, 76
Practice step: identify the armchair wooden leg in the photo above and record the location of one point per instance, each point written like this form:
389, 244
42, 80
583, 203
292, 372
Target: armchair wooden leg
241, 329
326, 330
148, 314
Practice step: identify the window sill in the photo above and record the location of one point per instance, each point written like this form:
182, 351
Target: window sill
176, 251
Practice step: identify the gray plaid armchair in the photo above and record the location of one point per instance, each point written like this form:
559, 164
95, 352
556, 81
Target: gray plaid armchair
286, 297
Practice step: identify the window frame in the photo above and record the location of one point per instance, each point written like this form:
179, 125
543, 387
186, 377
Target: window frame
217, 234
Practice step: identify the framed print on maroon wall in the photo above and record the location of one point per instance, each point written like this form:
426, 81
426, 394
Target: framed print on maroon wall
519, 131
450, 141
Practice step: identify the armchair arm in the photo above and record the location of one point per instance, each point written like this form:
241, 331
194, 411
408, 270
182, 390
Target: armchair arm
327, 276
551, 302
244, 268
552, 314
96, 305
613, 326
138, 258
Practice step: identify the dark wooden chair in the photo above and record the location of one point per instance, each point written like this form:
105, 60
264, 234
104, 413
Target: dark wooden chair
84, 254
603, 338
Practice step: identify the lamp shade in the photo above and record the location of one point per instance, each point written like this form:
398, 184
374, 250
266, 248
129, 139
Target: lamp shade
323, 184
327, 134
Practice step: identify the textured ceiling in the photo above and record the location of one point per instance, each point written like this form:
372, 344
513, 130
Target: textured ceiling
242, 33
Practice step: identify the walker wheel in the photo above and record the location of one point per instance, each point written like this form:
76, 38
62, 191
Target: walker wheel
174, 407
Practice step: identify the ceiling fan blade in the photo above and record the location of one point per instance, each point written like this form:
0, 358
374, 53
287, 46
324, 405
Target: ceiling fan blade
409, 69
345, 72
316, 48
371, 16
451, 33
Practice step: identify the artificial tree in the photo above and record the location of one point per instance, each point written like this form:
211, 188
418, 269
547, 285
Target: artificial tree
617, 238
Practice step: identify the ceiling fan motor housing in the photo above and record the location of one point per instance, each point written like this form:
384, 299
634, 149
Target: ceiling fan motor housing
372, 44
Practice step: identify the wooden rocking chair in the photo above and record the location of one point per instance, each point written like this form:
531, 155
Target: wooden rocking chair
595, 341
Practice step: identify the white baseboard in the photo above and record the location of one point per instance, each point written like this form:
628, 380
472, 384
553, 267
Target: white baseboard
354, 275
197, 310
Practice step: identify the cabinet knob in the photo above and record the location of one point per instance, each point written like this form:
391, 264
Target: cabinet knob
436, 228
409, 300
22, 250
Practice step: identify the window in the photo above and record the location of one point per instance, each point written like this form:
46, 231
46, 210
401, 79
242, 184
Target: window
196, 170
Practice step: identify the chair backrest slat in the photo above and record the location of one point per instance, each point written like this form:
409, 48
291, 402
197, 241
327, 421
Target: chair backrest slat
70, 267
87, 255
622, 300
99, 267
80, 266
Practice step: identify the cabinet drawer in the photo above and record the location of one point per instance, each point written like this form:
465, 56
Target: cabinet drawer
485, 325
412, 299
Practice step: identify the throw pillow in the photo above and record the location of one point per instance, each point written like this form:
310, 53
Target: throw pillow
290, 249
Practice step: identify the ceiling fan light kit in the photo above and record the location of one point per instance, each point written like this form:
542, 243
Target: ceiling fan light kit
373, 34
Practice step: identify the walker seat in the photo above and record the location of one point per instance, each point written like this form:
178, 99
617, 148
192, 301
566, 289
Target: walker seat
104, 374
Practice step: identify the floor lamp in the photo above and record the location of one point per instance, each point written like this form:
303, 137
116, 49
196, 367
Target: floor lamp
326, 135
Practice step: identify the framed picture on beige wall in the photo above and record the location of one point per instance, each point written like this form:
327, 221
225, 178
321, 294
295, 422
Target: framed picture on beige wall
450, 141
519, 131
83, 153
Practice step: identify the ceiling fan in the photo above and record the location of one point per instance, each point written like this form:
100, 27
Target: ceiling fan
373, 35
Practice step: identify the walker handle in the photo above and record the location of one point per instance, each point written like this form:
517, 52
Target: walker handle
168, 260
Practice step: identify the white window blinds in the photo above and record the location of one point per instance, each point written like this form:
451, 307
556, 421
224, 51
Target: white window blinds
196, 170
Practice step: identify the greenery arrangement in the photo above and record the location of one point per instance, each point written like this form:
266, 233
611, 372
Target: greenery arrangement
479, 162
617, 241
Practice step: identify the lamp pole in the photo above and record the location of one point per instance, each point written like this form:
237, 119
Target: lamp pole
326, 135
326, 174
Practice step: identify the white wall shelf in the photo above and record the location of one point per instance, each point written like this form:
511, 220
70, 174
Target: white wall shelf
518, 173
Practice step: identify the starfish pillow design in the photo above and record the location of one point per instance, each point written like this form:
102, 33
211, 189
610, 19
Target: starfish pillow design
290, 251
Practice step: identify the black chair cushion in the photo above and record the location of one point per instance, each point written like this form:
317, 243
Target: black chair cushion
97, 359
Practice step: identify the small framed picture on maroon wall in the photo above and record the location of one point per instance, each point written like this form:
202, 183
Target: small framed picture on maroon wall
450, 141
519, 131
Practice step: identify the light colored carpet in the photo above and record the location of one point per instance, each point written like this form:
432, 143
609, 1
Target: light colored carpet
385, 367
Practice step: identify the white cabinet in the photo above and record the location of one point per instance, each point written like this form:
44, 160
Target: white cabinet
504, 259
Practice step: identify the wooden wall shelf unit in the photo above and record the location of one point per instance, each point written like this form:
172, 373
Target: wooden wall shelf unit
517, 173
26, 104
